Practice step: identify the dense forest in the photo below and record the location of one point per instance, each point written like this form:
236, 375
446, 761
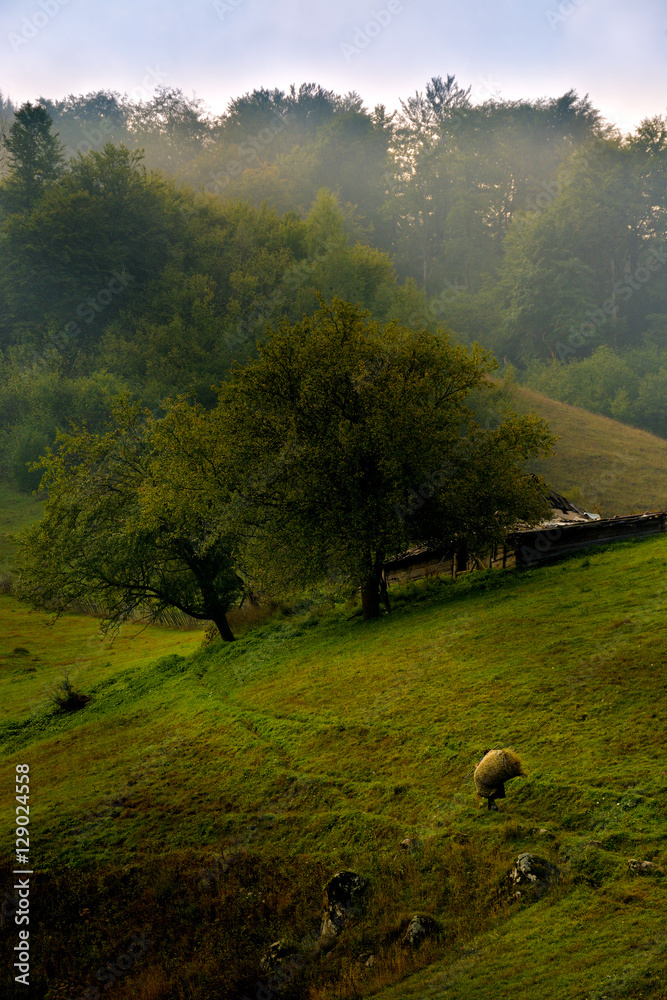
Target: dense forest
145, 247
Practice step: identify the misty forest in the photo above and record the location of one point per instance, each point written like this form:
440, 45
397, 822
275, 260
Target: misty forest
146, 247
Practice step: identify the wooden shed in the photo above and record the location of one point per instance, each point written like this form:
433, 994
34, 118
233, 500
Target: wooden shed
568, 530
551, 542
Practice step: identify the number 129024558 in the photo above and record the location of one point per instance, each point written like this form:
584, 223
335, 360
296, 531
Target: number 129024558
22, 809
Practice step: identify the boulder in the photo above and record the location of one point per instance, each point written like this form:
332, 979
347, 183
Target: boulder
343, 899
419, 929
644, 867
530, 877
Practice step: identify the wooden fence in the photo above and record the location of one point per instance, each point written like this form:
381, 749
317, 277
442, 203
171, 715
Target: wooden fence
524, 548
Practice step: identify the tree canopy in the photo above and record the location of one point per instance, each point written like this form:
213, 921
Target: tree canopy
35, 156
116, 533
340, 421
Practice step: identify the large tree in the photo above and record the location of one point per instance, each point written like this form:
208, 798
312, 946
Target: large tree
340, 424
94, 238
117, 531
35, 156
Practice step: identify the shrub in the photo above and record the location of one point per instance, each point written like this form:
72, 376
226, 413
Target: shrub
24, 447
64, 698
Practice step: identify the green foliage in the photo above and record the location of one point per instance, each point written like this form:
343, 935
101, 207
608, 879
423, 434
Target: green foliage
87, 245
35, 157
23, 449
586, 268
626, 385
162, 328
533, 228
36, 402
464, 172
177, 342
324, 224
337, 424
118, 533
86, 121
65, 698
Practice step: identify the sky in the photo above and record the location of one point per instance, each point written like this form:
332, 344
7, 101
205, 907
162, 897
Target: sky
613, 50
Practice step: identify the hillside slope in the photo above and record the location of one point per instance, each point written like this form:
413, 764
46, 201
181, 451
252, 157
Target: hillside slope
203, 799
599, 461
17, 511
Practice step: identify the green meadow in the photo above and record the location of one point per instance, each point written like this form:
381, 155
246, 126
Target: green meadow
204, 795
599, 462
17, 511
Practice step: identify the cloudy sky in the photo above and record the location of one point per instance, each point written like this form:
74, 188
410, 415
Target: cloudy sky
613, 50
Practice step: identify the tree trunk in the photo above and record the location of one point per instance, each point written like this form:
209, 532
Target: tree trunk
371, 586
220, 619
384, 592
370, 599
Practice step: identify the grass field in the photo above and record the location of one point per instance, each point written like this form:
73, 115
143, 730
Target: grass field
203, 796
598, 461
17, 511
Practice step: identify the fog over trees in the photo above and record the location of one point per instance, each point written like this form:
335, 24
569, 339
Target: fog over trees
147, 245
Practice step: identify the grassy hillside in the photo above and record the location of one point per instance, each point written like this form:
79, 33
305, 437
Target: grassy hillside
599, 461
17, 511
202, 797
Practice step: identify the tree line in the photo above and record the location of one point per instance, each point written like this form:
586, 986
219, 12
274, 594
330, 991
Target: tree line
151, 241
114, 277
